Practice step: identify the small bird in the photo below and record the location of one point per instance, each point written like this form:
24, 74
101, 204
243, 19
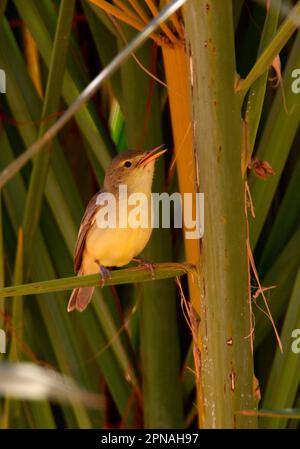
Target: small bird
98, 247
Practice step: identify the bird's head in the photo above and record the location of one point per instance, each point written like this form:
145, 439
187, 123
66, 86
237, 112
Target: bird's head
134, 169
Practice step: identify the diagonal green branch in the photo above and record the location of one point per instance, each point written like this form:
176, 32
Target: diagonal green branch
89, 91
257, 92
286, 413
126, 276
275, 46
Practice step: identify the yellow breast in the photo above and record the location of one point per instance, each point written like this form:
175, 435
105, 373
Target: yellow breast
113, 246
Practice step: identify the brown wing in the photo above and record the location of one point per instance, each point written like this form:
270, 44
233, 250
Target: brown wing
85, 225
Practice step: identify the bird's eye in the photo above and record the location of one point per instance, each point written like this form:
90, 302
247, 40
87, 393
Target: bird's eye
127, 164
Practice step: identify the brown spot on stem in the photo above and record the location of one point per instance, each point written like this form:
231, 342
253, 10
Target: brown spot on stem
261, 169
234, 421
232, 376
229, 342
207, 7
219, 153
256, 389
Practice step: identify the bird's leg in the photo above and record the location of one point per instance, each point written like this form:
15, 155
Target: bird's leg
145, 263
105, 273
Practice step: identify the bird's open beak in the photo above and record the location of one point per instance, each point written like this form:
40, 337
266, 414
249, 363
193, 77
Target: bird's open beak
151, 155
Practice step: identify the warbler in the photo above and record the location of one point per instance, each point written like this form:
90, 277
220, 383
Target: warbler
98, 246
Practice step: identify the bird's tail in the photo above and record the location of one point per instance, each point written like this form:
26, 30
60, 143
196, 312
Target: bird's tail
80, 298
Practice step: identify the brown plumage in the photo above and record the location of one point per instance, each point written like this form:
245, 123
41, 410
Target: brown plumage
81, 297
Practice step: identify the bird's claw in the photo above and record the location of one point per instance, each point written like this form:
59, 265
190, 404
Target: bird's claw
149, 265
105, 274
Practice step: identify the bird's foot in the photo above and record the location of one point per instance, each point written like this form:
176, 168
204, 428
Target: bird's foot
104, 272
145, 263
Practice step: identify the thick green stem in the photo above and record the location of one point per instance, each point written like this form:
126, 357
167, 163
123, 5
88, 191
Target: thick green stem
225, 362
